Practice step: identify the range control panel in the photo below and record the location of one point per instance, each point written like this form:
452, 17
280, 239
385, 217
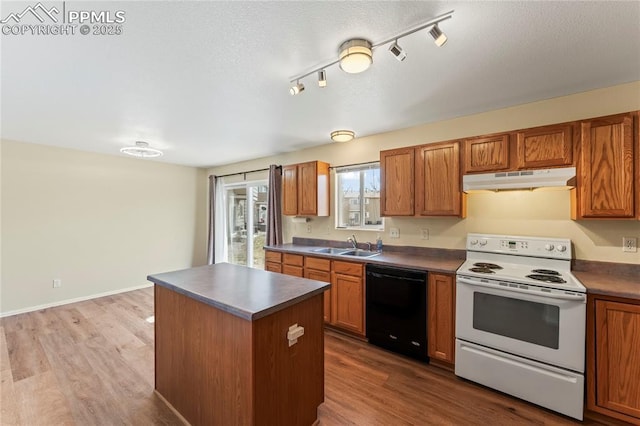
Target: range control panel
554, 248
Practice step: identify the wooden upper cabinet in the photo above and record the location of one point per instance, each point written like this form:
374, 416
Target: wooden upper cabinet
606, 185
486, 153
437, 182
305, 189
397, 182
548, 146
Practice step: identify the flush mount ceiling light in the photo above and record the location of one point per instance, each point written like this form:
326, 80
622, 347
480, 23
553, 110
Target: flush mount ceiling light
356, 55
342, 135
141, 150
397, 51
439, 38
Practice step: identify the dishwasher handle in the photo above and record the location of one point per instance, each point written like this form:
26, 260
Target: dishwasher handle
394, 277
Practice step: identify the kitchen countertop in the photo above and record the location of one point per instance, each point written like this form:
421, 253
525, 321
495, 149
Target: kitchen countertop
241, 291
391, 258
609, 284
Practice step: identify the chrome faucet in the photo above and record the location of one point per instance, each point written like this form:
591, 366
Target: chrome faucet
353, 241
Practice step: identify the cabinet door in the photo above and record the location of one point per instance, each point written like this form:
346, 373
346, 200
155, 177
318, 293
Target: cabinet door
290, 190
307, 188
273, 267
323, 276
486, 153
348, 302
397, 182
295, 271
617, 327
441, 307
607, 178
549, 146
438, 180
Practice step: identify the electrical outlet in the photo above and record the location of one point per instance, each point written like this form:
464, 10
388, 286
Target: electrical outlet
57, 283
308, 228
630, 244
394, 233
425, 234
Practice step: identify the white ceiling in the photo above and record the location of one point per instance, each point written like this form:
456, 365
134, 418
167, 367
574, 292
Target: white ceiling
207, 82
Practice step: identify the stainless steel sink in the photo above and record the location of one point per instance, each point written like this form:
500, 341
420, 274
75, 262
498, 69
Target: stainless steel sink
359, 253
330, 250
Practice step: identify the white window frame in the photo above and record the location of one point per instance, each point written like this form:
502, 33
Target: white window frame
362, 201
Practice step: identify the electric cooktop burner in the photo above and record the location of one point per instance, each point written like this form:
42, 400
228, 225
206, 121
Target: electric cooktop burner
484, 265
482, 270
546, 278
546, 272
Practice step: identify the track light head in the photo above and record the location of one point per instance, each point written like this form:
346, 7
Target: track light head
355, 55
439, 38
296, 88
397, 51
322, 78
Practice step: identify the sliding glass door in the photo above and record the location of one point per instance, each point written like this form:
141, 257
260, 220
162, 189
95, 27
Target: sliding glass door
246, 205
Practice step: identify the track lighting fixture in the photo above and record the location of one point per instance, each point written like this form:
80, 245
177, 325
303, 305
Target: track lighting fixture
439, 38
322, 78
141, 150
356, 55
342, 135
397, 51
296, 88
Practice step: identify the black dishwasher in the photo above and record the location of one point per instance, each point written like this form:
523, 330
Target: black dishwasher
397, 310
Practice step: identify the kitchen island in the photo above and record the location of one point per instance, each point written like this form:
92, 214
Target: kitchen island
225, 347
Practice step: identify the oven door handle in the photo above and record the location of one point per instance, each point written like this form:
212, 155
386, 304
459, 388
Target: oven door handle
573, 297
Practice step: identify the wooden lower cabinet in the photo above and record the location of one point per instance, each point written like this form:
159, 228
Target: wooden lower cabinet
347, 288
441, 317
613, 357
320, 270
292, 264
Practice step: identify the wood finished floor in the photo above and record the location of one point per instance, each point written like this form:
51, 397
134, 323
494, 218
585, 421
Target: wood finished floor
91, 363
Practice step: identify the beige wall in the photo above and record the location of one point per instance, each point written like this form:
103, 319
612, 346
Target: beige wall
519, 213
100, 223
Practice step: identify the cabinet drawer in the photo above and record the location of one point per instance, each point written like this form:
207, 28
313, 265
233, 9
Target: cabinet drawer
317, 263
295, 271
273, 267
347, 268
272, 256
292, 259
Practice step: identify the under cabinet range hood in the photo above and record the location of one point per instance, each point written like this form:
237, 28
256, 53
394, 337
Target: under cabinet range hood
561, 178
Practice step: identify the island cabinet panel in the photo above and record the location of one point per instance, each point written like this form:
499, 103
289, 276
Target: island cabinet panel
486, 154
289, 380
441, 308
613, 358
438, 180
305, 189
188, 365
397, 182
347, 288
606, 188
320, 270
548, 146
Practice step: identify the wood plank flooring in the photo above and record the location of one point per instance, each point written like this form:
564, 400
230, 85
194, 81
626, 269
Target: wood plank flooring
92, 363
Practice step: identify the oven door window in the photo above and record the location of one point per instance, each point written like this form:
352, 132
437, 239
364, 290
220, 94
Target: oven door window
532, 322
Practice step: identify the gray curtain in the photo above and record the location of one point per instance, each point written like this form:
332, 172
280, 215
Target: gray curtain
211, 240
274, 206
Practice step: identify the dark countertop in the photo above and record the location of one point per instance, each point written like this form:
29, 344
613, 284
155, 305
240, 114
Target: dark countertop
245, 292
447, 265
608, 284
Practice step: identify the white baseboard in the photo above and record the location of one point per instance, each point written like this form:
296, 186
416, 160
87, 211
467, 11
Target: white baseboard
74, 300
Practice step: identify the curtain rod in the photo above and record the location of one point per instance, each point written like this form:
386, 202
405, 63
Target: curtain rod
355, 164
245, 173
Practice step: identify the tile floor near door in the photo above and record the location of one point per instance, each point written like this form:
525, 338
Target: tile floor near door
91, 363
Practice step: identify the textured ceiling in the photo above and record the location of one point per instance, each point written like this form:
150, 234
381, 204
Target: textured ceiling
207, 82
